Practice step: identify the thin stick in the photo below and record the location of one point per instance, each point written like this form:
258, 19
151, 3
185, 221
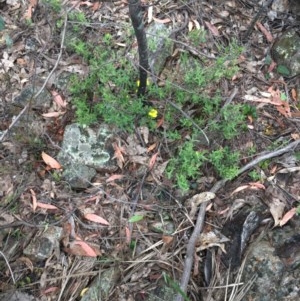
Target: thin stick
7, 263
45, 82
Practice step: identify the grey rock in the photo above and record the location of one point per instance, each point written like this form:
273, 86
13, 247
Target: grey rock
17, 296
42, 101
85, 151
42, 246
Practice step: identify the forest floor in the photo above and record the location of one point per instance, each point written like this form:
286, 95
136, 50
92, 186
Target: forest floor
137, 220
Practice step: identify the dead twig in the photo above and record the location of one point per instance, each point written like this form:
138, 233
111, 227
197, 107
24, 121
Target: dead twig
269, 155
190, 249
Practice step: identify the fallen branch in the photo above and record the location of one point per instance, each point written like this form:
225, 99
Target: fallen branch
188, 263
270, 155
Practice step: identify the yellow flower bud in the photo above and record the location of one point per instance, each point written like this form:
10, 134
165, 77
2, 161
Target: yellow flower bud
153, 113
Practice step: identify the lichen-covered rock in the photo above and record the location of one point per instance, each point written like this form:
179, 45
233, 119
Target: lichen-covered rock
101, 286
286, 52
160, 46
274, 261
84, 151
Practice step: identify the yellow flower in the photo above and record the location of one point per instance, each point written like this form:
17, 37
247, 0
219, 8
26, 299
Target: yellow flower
138, 82
83, 291
153, 113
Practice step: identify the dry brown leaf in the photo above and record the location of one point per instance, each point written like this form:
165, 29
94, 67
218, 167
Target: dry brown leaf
198, 199
34, 200
96, 219
295, 136
45, 206
266, 33
50, 161
118, 154
6, 62
58, 99
6, 218
287, 216
151, 147
53, 114
50, 290
240, 188
28, 13
152, 161
128, 235
224, 14
160, 122
213, 29
138, 159
197, 25
162, 21
276, 208
77, 68
211, 239
21, 62
150, 14
80, 248
272, 66
294, 94
167, 239
145, 133
257, 185
202, 197
289, 169
87, 3
134, 147
282, 106
159, 169
114, 177
284, 109
273, 169
96, 5
263, 100
26, 261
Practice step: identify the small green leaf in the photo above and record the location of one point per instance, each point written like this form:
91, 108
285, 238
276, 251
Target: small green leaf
136, 218
283, 96
2, 24
283, 70
268, 60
